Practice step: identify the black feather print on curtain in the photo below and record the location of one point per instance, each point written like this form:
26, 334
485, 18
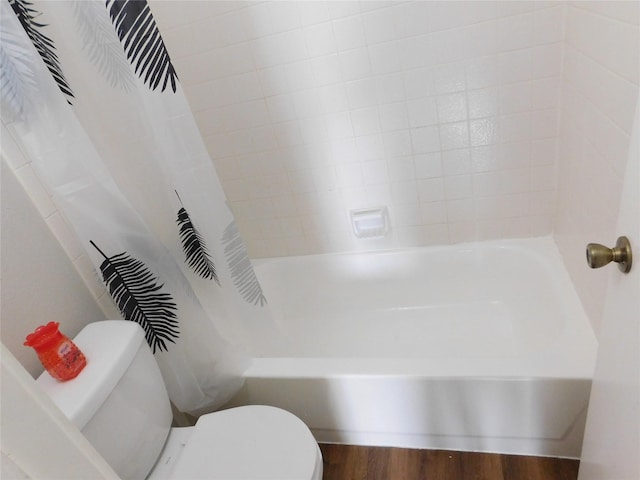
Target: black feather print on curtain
142, 42
138, 297
194, 247
44, 45
242, 274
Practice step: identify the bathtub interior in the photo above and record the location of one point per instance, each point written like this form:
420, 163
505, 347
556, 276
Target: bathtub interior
481, 347
490, 300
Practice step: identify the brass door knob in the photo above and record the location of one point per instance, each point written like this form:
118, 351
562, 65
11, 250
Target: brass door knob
599, 255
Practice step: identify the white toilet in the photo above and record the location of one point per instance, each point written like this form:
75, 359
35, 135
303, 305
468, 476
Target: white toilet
120, 404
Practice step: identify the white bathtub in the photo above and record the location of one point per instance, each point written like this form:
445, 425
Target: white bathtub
480, 347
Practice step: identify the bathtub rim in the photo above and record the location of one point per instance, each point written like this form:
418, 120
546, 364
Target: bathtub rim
544, 245
296, 367
570, 355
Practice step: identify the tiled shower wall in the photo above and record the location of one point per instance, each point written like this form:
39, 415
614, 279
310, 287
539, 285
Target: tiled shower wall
599, 96
445, 112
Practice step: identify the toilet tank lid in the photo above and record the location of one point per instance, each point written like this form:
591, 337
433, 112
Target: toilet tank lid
109, 347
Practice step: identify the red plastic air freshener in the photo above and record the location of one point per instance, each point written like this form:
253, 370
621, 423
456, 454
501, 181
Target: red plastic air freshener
59, 355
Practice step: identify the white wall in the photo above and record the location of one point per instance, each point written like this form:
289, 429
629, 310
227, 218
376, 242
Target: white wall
444, 111
38, 440
39, 282
599, 96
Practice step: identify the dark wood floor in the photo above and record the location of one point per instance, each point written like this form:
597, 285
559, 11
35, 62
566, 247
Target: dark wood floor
346, 462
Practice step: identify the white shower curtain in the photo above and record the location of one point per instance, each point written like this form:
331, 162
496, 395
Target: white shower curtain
89, 92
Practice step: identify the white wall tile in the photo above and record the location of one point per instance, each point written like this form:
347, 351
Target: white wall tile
374, 172
91, 277
406, 104
418, 83
398, 143
425, 139
361, 93
517, 180
430, 190
485, 185
600, 78
401, 169
10, 150
544, 152
454, 135
365, 121
458, 187
482, 40
543, 178
548, 25
378, 194
428, 165
484, 131
483, 158
514, 154
628, 12
284, 15
406, 215
326, 69
349, 33
515, 98
433, 213
449, 78
604, 48
378, 27
299, 75
544, 123
456, 162
369, 147
505, 9
411, 18
66, 236
343, 9
442, 16
231, 27
515, 32
339, 126
423, 111
482, 72
37, 191
515, 127
313, 12
547, 60
319, 39
483, 103
461, 211
437, 234
393, 116
385, 57
416, 52
452, 107
516, 66
545, 92
355, 63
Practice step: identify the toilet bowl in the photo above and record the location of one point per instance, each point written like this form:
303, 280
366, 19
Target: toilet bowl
241, 443
104, 402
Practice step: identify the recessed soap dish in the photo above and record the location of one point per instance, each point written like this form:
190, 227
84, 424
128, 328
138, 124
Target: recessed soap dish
370, 222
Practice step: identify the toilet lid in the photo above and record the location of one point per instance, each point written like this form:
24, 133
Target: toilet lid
252, 442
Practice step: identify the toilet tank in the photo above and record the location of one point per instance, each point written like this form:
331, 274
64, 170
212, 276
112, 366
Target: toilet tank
119, 401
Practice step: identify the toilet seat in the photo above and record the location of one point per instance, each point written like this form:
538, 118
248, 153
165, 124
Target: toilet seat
248, 443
